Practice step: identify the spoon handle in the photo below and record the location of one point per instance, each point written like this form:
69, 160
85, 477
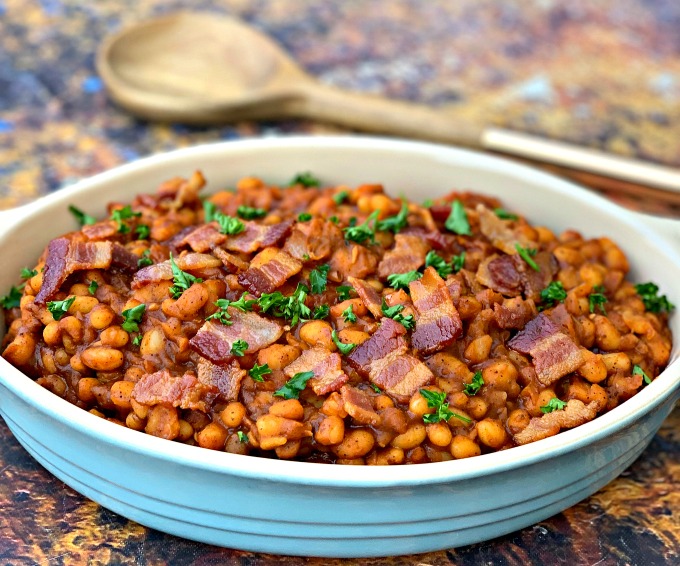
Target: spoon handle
406, 119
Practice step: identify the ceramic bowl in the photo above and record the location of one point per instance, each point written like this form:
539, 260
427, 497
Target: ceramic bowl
308, 509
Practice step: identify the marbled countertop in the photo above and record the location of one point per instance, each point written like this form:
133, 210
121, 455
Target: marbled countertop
604, 74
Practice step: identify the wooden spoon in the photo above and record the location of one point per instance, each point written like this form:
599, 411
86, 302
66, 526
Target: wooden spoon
204, 68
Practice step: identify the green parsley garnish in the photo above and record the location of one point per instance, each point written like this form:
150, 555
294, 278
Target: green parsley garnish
295, 385
322, 311
318, 278
527, 255
222, 314
553, 293
340, 197
439, 263
394, 223
28, 273
92, 287
145, 260
209, 211
305, 179
121, 214
457, 222
292, 308
256, 372
364, 231
458, 262
505, 215
132, 318
375, 388
475, 385
401, 280
81, 217
344, 348
437, 400
343, 292
229, 225
348, 314
394, 312
182, 280
554, 404
653, 302
137, 340
250, 213
59, 308
242, 436
334, 219
597, 299
143, 232
637, 370
239, 347
304, 217
427, 203
11, 299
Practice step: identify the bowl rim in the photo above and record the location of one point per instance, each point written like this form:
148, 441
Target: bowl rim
326, 475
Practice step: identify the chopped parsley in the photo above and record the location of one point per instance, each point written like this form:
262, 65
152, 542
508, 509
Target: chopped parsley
394, 312
28, 273
305, 179
653, 302
375, 388
92, 287
292, 308
143, 232
348, 314
344, 348
318, 278
145, 260
340, 197
80, 216
242, 436
428, 202
137, 340
401, 280
637, 370
437, 400
554, 404
322, 311
182, 280
597, 299
295, 385
239, 347
222, 314
250, 213
209, 211
458, 262
505, 215
120, 215
394, 223
132, 318
553, 293
364, 231
229, 225
304, 217
343, 292
439, 263
475, 385
527, 255
257, 372
457, 222
59, 308
11, 299
334, 219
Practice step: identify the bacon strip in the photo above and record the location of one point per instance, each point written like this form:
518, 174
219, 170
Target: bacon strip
315, 239
225, 378
232, 262
100, 230
500, 232
214, 340
203, 238
383, 359
368, 295
186, 392
500, 274
64, 257
268, 270
438, 324
554, 354
257, 236
163, 271
358, 405
574, 414
124, 259
326, 365
408, 254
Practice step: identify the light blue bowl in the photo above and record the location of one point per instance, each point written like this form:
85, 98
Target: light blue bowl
307, 509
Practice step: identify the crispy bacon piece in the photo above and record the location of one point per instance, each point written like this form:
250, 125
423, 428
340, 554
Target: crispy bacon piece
232, 262
514, 313
353, 260
533, 282
438, 324
501, 233
368, 295
268, 270
163, 271
203, 238
257, 236
65, 256
574, 414
185, 391
183, 190
226, 378
554, 354
124, 259
383, 359
315, 239
326, 365
500, 274
100, 230
214, 340
408, 254
358, 405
